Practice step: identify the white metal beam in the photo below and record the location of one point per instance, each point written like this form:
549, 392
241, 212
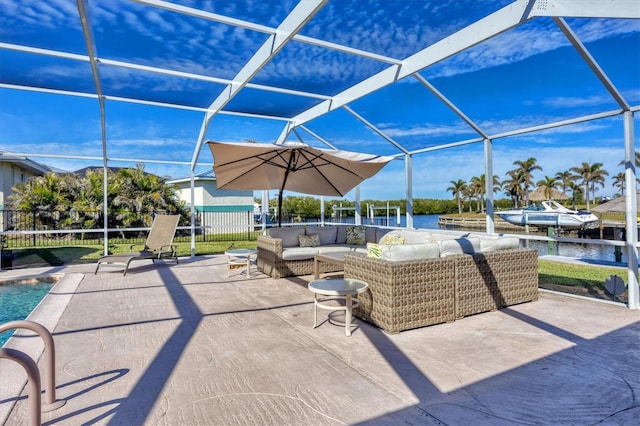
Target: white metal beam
346, 49
577, 44
631, 214
302, 13
450, 104
471, 35
408, 174
446, 146
293, 23
532, 129
83, 11
44, 52
45, 90
201, 77
560, 123
265, 29
295, 132
284, 134
156, 70
215, 17
375, 129
94, 158
136, 101
490, 26
488, 185
587, 8
318, 137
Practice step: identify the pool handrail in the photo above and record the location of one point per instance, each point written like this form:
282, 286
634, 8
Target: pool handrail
50, 356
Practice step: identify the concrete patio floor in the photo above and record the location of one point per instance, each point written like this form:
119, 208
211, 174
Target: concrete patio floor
185, 345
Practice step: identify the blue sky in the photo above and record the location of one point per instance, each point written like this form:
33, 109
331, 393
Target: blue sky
527, 76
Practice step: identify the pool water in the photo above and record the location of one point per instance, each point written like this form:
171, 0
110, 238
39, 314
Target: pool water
19, 297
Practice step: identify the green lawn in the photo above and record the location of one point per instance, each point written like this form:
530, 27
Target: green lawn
55, 256
551, 272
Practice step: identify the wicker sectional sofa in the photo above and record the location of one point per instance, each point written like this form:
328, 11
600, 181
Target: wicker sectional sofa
427, 277
416, 293
280, 255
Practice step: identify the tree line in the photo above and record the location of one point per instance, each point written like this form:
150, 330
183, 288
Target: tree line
581, 182
295, 208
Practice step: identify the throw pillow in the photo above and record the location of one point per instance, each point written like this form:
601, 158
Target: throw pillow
356, 235
327, 234
374, 250
309, 240
390, 240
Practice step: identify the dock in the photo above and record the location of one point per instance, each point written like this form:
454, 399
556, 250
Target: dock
447, 221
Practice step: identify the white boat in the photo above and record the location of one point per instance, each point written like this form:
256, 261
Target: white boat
550, 213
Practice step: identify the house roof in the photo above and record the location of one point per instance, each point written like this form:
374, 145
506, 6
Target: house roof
204, 176
83, 170
25, 163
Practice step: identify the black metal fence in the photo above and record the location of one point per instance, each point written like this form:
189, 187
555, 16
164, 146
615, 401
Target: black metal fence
45, 229
65, 228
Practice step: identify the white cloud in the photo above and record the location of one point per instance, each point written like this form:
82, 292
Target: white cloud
573, 101
533, 38
426, 130
398, 130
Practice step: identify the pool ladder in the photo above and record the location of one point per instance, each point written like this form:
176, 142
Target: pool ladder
31, 368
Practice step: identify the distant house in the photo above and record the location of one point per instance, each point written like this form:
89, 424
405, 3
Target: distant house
223, 208
83, 171
16, 169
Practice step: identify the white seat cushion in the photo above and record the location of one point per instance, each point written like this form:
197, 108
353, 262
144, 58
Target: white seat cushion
299, 253
398, 252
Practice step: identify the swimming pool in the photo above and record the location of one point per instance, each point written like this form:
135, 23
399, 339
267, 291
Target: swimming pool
18, 297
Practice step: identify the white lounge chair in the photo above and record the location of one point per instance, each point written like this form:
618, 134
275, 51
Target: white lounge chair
159, 244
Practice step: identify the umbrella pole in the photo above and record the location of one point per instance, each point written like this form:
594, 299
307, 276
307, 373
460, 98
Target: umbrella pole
280, 209
290, 165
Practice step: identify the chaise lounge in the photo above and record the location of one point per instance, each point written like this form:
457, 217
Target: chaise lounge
159, 245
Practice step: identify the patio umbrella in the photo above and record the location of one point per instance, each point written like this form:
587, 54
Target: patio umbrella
293, 167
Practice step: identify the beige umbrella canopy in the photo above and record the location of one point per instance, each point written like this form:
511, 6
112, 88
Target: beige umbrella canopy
293, 167
616, 205
539, 195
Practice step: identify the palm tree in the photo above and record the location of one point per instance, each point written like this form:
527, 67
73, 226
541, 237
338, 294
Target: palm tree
514, 187
477, 185
549, 184
140, 195
619, 182
469, 193
89, 202
526, 168
597, 179
564, 179
591, 174
457, 188
575, 191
